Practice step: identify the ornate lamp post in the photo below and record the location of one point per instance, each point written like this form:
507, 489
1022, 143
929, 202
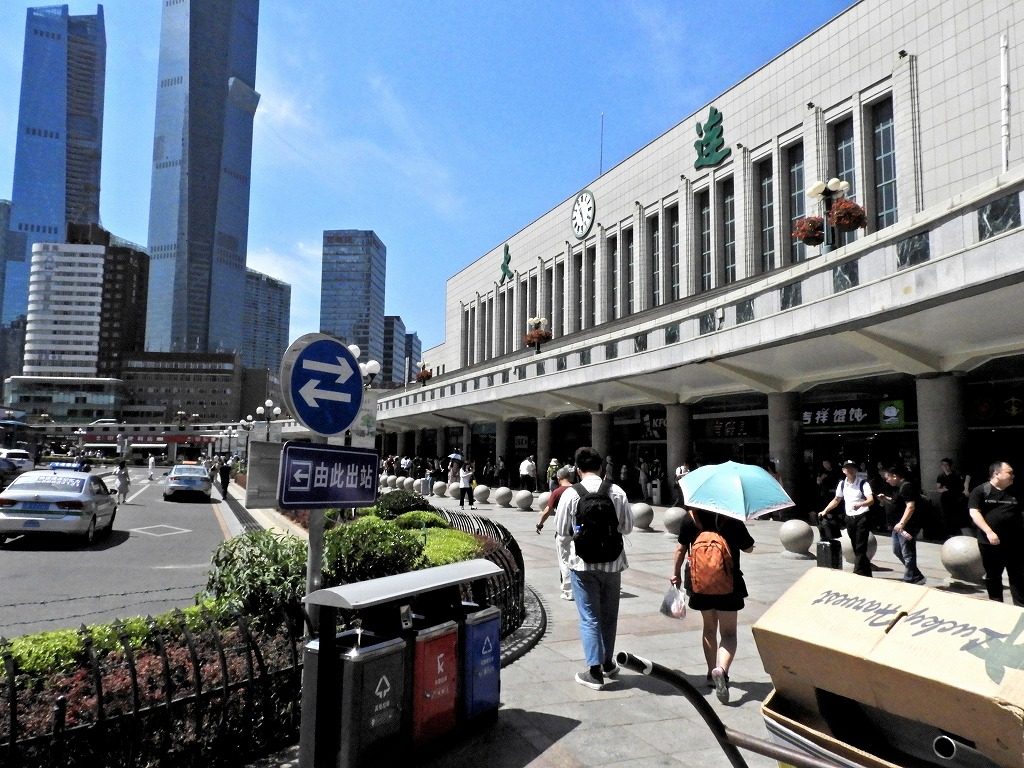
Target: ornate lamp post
827, 192
268, 412
229, 433
246, 425
424, 374
536, 333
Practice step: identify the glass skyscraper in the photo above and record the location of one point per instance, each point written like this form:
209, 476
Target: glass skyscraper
352, 290
60, 137
202, 158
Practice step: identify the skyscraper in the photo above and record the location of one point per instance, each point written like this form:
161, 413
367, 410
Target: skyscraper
202, 157
353, 268
60, 136
413, 355
268, 304
392, 365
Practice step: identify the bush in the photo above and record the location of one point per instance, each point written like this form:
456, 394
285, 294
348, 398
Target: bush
450, 546
391, 505
367, 549
259, 572
414, 520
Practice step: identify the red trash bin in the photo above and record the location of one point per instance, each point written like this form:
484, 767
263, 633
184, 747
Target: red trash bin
435, 681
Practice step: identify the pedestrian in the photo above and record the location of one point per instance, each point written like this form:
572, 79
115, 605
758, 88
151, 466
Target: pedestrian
501, 471
905, 525
827, 479
996, 509
719, 613
466, 485
122, 482
953, 500
551, 472
225, 478
152, 465
563, 478
681, 471
856, 496
527, 472
595, 585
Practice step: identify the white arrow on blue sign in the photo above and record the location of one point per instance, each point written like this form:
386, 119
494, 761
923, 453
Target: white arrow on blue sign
321, 383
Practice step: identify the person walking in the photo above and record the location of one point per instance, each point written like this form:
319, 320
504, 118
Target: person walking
122, 482
563, 478
152, 465
552, 471
719, 613
595, 585
856, 496
952, 500
225, 478
905, 526
997, 510
527, 472
466, 485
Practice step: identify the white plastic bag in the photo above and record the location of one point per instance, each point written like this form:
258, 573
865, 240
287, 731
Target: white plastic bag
674, 603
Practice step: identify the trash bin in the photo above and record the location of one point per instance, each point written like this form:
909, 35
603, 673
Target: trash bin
435, 681
481, 664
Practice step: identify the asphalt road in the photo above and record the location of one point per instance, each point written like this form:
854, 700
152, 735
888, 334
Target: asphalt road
156, 559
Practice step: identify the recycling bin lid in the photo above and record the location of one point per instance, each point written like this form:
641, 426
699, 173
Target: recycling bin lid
428, 633
485, 614
365, 594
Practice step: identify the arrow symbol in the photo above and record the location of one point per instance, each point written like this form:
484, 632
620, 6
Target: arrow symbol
301, 475
311, 394
342, 369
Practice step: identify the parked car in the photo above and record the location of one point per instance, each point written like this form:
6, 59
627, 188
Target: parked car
19, 456
8, 471
188, 479
57, 501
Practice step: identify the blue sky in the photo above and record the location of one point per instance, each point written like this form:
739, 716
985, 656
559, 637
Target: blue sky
444, 126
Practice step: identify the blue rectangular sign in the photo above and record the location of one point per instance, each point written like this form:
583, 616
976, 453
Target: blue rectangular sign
318, 476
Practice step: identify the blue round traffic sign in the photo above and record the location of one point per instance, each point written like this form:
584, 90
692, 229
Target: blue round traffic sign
322, 382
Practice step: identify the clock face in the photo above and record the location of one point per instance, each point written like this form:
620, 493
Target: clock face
583, 209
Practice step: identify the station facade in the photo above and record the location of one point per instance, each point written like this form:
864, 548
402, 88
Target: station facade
684, 320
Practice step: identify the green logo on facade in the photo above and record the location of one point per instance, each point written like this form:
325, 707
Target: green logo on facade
506, 273
711, 149
890, 413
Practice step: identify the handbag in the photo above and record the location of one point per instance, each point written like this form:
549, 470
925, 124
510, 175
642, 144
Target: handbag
674, 603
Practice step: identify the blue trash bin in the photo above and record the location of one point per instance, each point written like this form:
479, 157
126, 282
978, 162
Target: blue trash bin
481, 664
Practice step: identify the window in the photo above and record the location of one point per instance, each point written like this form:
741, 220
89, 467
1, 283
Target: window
672, 333
654, 244
560, 363
704, 235
791, 296
613, 275
884, 150
540, 368
627, 238
912, 250
707, 322
577, 275
795, 162
585, 356
766, 210
728, 232
999, 216
673, 253
845, 276
845, 170
745, 311
611, 350
640, 342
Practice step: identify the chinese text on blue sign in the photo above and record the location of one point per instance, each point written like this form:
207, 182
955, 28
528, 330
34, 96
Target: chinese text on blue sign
315, 476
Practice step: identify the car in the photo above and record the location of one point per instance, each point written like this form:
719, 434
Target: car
8, 471
188, 479
57, 501
19, 456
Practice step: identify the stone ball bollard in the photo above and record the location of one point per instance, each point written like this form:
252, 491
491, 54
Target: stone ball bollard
440, 488
796, 536
961, 556
453, 490
524, 500
409, 483
542, 500
503, 497
392, 481
672, 520
383, 479
848, 548
481, 493
643, 514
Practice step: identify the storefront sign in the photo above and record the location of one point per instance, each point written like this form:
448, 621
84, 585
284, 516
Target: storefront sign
885, 413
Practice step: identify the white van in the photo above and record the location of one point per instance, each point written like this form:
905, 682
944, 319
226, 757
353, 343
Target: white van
19, 456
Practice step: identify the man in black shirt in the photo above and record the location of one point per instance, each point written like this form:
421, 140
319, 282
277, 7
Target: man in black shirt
905, 527
996, 509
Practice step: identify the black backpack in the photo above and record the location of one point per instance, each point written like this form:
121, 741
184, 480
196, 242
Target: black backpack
596, 536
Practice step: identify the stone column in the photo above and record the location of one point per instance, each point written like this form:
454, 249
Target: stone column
543, 456
941, 426
678, 437
403, 443
501, 442
467, 442
601, 432
419, 442
439, 446
784, 439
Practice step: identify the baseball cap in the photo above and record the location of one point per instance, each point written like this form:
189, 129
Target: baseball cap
851, 463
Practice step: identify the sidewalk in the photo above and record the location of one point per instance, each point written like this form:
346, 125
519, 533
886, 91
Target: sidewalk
547, 719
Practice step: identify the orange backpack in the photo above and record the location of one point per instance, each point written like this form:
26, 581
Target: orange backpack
711, 566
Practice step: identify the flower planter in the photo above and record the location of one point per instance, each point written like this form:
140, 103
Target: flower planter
846, 215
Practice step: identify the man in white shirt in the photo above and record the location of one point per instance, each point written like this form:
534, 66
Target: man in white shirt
527, 473
856, 496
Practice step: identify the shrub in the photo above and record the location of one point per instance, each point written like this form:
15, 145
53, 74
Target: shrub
259, 572
414, 520
367, 549
450, 546
391, 505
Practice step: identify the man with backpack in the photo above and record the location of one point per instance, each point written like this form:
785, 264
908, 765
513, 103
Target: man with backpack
856, 496
594, 514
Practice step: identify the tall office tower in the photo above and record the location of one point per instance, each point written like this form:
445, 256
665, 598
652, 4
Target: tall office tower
413, 355
60, 136
392, 365
352, 290
202, 157
268, 304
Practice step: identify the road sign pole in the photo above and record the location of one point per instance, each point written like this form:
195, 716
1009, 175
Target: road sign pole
314, 567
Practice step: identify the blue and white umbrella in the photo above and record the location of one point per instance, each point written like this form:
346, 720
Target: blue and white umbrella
742, 491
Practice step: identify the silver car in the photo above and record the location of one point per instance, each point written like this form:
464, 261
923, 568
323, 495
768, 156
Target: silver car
188, 479
57, 501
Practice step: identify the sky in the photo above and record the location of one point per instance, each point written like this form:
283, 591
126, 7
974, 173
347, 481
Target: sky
445, 127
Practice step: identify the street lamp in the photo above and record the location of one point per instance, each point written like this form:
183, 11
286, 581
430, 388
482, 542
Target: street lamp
827, 192
268, 412
80, 435
229, 433
246, 426
536, 333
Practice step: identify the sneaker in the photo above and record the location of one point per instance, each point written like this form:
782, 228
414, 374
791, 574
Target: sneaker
567, 596
587, 679
920, 580
610, 670
721, 681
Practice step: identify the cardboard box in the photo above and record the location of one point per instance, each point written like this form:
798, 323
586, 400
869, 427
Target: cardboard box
908, 663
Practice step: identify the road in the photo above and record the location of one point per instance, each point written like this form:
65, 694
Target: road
156, 559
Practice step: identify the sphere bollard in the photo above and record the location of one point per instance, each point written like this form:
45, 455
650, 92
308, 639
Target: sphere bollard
542, 500
961, 556
524, 500
453, 490
440, 488
503, 497
409, 483
848, 548
796, 536
643, 514
672, 520
382, 480
392, 481
481, 493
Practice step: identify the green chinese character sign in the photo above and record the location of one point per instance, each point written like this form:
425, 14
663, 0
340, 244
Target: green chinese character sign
506, 273
711, 149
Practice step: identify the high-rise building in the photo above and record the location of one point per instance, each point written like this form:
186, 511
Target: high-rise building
268, 304
352, 289
392, 364
413, 355
60, 136
202, 157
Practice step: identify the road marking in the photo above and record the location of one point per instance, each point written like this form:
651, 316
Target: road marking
152, 530
179, 567
132, 497
225, 532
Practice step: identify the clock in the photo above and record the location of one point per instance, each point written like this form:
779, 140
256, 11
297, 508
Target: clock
583, 209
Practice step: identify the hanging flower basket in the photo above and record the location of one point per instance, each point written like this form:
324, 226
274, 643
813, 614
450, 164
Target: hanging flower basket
424, 376
809, 230
536, 336
847, 215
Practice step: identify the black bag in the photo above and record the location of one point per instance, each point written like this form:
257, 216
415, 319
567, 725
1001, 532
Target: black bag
830, 554
831, 525
596, 536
